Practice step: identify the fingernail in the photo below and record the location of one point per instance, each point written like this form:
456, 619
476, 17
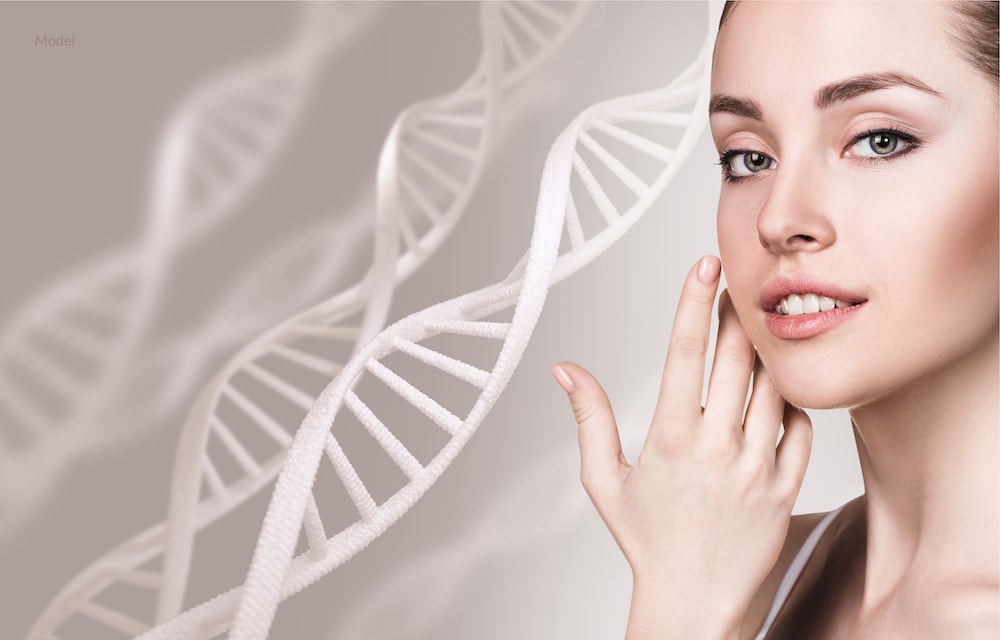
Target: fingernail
562, 377
708, 269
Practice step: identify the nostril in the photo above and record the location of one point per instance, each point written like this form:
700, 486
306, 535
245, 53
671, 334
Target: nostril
801, 239
798, 241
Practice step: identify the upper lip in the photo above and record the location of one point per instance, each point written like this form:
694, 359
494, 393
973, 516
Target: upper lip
779, 287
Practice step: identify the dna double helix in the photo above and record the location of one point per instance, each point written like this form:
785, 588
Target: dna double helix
65, 354
427, 171
298, 272
590, 195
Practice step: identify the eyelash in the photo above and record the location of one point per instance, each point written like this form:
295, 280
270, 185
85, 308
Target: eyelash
910, 142
725, 162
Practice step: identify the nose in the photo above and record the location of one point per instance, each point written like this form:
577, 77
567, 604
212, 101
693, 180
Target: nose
795, 217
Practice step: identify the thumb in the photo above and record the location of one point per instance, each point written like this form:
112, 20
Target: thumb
601, 456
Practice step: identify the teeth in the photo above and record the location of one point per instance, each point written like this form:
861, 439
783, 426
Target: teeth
795, 304
810, 303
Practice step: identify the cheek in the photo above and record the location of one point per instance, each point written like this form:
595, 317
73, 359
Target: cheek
938, 248
957, 274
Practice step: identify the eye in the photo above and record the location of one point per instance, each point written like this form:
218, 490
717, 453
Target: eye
741, 163
883, 143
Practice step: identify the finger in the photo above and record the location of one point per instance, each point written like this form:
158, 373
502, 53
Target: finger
601, 458
794, 449
684, 371
731, 369
763, 419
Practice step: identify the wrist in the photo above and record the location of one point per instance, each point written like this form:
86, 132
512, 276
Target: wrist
667, 609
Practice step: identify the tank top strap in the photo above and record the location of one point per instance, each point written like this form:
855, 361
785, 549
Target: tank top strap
795, 570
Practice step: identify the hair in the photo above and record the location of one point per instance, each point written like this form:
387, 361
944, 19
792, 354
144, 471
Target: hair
974, 29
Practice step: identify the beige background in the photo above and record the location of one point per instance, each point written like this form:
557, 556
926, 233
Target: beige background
79, 128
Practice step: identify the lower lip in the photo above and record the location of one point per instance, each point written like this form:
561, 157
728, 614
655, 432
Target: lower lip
808, 325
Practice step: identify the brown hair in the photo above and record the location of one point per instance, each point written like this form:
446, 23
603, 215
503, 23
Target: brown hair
977, 36
974, 31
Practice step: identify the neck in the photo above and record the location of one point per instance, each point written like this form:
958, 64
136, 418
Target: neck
929, 457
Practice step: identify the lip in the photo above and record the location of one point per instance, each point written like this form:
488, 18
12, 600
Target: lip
799, 327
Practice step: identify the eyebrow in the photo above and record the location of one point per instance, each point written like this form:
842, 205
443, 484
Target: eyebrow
827, 96
738, 106
853, 87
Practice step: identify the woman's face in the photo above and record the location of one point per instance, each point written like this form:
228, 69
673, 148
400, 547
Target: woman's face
861, 173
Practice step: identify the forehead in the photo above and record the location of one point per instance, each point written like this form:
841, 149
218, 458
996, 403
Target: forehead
786, 50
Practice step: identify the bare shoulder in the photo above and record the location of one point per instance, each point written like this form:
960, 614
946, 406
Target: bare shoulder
798, 531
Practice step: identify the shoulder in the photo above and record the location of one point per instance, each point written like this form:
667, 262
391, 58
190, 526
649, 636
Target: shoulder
798, 530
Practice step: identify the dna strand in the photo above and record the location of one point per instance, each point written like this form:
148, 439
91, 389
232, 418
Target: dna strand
66, 351
290, 277
503, 314
544, 501
175, 365
427, 170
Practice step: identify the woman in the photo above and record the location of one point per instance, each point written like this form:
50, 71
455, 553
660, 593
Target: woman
858, 227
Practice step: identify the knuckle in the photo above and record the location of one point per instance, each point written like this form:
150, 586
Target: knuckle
768, 391
757, 469
740, 356
688, 347
703, 296
584, 412
719, 452
799, 427
670, 442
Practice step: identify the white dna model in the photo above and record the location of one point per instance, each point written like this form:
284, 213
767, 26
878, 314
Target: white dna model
597, 194
215, 149
164, 374
427, 171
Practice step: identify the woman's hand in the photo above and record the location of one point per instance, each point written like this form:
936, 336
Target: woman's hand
702, 514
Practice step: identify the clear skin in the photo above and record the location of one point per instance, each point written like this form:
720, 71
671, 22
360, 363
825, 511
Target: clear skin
889, 192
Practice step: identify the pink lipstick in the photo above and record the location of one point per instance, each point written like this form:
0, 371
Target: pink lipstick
800, 307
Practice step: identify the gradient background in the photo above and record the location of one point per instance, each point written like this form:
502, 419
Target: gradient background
505, 545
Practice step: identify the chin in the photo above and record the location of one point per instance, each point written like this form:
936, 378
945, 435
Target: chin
814, 398
820, 389
809, 399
